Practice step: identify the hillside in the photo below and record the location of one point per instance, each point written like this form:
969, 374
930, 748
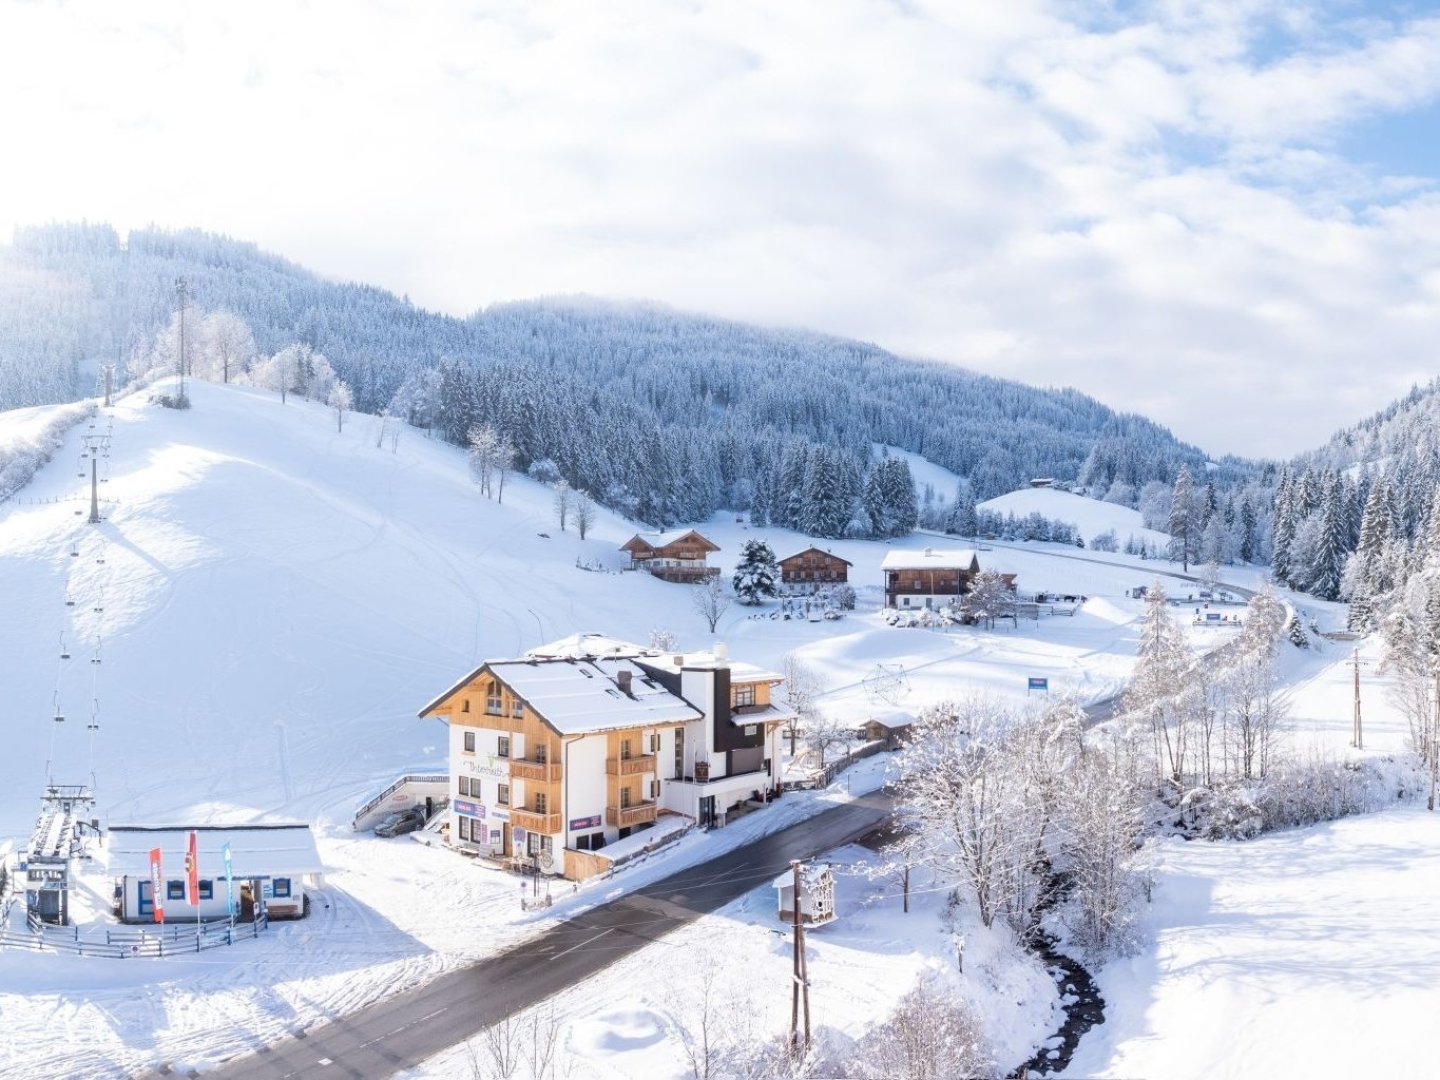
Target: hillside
607, 388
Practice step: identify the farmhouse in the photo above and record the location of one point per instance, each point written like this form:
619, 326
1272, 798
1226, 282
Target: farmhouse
580, 743
813, 569
928, 578
270, 866
672, 556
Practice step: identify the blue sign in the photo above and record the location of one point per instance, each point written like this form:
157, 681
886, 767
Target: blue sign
1038, 682
1212, 616
592, 822
469, 809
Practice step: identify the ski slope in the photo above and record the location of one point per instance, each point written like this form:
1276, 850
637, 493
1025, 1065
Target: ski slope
271, 601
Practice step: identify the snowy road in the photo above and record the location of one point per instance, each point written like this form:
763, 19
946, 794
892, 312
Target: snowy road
403, 1031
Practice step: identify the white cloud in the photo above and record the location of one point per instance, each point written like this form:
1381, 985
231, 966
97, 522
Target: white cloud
1149, 208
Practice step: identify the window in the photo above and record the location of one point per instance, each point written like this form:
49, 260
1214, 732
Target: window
624, 749
464, 827
464, 785
147, 900
282, 886
541, 752
504, 750
174, 890
542, 802
469, 742
503, 797
624, 797
517, 709
493, 702
465, 704
655, 743
590, 841
654, 789
742, 696
207, 889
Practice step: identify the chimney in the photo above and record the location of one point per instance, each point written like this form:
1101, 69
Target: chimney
722, 653
679, 660
622, 680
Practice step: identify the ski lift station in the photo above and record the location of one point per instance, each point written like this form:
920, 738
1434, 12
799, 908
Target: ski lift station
270, 867
817, 895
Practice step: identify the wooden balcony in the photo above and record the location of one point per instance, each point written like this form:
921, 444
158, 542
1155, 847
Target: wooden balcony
547, 772
623, 816
534, 820
631, 766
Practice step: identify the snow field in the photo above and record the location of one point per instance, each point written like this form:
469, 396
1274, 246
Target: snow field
273, 600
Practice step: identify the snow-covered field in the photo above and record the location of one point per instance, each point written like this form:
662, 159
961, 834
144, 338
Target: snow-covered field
1308, 953
271, 601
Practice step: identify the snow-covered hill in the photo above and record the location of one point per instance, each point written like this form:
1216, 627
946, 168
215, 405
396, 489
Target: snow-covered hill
1090, 516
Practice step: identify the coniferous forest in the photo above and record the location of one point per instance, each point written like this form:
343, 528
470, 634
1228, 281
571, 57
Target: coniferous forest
662, 415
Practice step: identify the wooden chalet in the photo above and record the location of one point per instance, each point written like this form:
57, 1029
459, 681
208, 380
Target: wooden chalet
813, 569
672, 556
928, 578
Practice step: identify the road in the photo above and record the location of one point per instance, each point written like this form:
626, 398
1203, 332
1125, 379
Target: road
402, 1031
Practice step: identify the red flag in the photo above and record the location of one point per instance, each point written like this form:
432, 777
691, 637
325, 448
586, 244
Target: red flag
157, 882
192, 870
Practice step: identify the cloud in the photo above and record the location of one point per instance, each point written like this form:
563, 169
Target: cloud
1143, 201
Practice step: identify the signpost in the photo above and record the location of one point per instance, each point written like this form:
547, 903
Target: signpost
1038, 682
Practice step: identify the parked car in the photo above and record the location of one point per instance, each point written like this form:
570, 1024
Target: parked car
401, 821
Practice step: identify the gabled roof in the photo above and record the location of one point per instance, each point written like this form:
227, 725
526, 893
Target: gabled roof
657, 540
587, 646
579, 696
261, 850
807, 551
932, 559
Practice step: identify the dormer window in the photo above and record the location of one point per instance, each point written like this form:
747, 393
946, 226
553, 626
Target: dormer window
494, 703
742, 696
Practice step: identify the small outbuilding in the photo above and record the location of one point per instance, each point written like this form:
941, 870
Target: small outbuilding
890, 727
817, 894
270, 866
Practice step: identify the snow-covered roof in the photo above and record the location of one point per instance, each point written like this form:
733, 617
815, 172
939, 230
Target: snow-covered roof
256, 851
812, 876
674, 662
587, 646
893, 719
931, 559
817, 551
579, 696
665, 539
763, 714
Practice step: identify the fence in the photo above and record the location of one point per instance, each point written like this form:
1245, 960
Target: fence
823, 776
122, 942
420, 778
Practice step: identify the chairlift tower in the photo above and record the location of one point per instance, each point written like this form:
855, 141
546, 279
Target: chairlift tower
59, 837
94, 444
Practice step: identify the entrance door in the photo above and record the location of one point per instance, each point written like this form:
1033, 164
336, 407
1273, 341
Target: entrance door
505, 839
707, 810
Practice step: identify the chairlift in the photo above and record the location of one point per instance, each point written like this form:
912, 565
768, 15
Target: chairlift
64, 652
59, 718
98, 610
69, 601
74, 551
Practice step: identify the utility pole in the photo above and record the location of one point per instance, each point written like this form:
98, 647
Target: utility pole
1434, 750
180, 293
1356, 737
800, 987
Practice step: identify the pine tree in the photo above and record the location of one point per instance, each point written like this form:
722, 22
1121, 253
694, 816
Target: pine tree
1285, 522
1330, 552
756, 573
1183, 533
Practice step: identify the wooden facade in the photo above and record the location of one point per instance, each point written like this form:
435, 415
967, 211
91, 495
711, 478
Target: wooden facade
928, 578
813, 569
679, 557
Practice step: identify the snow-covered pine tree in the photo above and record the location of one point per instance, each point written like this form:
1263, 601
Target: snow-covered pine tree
1330, 550
756, 574
1181, 523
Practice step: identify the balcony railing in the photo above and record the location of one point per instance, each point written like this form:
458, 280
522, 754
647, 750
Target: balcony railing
622, 816
631, 766
545, 771
534, 820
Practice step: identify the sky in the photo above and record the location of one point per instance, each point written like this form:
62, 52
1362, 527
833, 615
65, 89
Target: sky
1223, 216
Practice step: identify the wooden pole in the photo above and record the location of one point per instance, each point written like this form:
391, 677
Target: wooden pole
800, 984
1358, 740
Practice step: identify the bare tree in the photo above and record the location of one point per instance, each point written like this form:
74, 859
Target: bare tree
932, 1035
662, 640
710, 599
584, 513
482, 443
802, 687
564, 500
504, 463
226, 345
340, 400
